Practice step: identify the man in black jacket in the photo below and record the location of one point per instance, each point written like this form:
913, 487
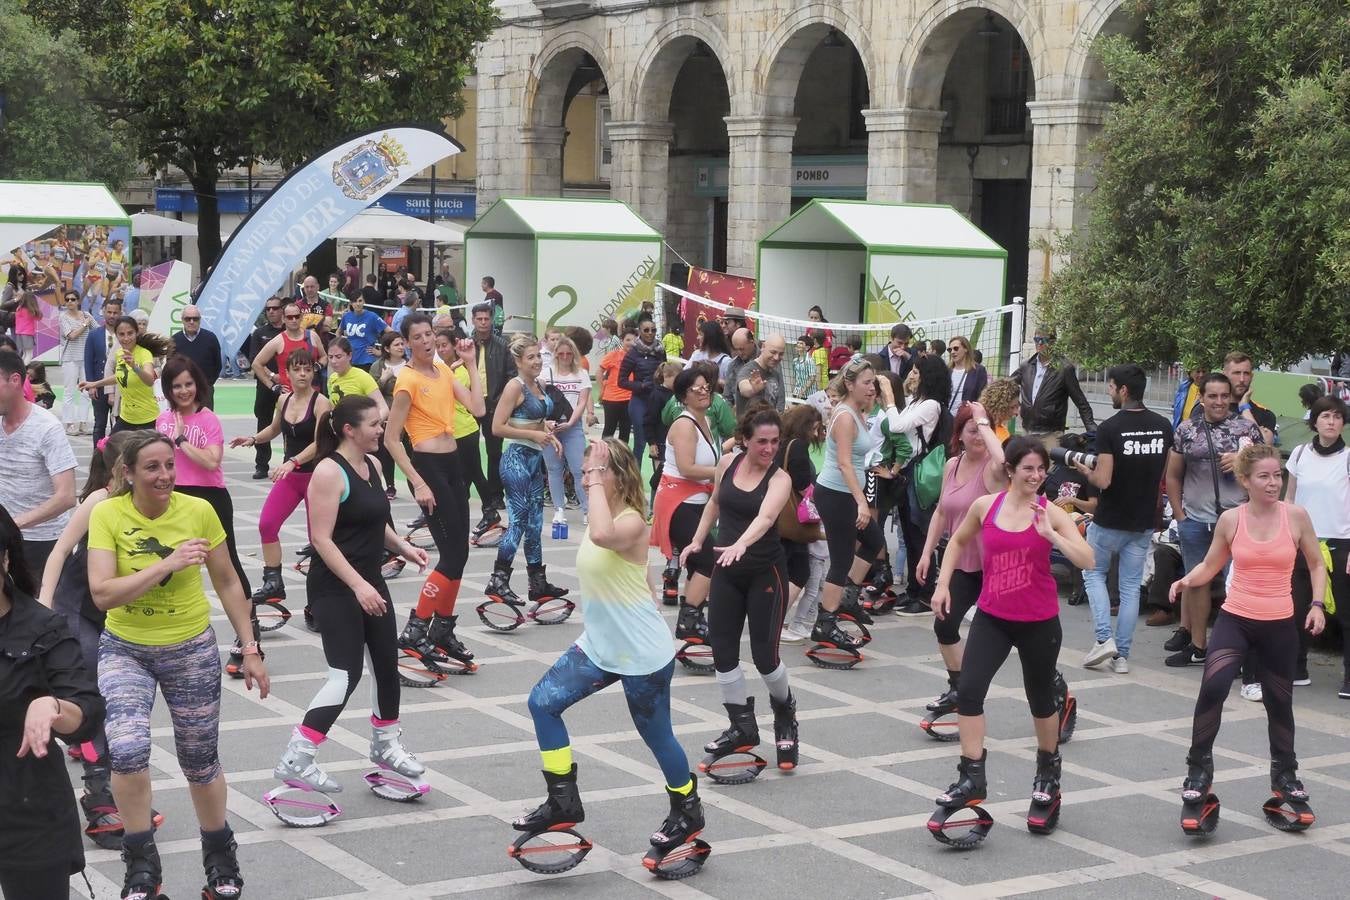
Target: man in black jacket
1048, 387
199, 344
264, 399
497, 368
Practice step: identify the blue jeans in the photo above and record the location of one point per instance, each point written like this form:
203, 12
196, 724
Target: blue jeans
573, 442
1132, 548
637, 414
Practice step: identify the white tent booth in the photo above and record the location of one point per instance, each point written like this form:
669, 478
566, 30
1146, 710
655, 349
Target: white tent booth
879, 263
30, 209
564, 261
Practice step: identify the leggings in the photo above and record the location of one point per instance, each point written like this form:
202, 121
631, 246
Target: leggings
449, 522
1274, 645
188, 675
46, 883
637, 419
350, 637
747, 591
964, 590
683, 524
987, 647
616, 419
573, 442
387, 468
286, 494
121, 424
839, 516
523, 480
471, 465
220, 501
574, 677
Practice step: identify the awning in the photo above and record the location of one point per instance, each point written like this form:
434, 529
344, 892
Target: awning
382, 225
145, 225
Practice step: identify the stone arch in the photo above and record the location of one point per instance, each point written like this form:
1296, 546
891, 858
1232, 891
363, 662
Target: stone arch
551, 71
659, 63
787, 48
1103, 18
935, 36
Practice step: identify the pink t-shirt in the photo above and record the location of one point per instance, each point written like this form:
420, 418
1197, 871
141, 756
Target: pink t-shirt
24, 322
1018, 584
202, 430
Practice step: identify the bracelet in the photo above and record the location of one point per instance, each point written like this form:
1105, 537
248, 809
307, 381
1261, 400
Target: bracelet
1319, 604
57, 701
595, 469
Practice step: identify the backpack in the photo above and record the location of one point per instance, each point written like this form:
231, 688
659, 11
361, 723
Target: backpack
926, 468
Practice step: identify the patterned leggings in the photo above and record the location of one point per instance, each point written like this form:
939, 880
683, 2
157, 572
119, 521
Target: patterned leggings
188, 674
522, 472
574, 677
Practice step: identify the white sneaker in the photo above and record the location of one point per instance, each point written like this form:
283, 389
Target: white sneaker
585, 519
793, 635
1100, 653
1252, 692
559, 516
1120, 665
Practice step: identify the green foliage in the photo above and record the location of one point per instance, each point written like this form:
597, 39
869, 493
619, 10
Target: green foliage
1221, 218
51, 132
206, 85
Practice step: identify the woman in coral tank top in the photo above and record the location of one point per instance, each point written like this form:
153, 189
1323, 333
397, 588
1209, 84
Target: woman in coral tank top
1262, 537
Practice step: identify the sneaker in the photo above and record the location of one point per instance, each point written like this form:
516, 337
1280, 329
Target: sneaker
1180, 640
794, 634
1100, 653
1120, 665
585, 519
1190, 656
260, 473
1344, 692
1252, 692
1302, 680
72, 429
391, 492
913, 608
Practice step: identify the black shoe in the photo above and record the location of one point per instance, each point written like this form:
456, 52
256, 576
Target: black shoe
490, 517
260, 473
1344, 692
391, 492
913, 608
419, 522
1180, 640
1190, 656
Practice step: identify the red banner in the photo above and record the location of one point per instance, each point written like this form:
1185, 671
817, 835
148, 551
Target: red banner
733, 290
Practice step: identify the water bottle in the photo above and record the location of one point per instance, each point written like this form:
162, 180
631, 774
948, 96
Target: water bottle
562, 530
556, 529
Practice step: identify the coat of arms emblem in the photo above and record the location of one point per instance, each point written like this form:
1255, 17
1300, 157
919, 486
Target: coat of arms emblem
369, 167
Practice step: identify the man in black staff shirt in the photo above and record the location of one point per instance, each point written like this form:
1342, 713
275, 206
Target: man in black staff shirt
264, 399
1132, 450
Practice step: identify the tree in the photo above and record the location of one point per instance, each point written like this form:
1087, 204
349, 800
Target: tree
51, 131
207, 85
1221, 218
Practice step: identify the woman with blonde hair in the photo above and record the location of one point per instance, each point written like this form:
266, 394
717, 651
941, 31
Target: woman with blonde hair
574, 383
968, 379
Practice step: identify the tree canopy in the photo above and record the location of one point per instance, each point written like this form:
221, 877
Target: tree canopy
208, 85
51, 130
1221, 217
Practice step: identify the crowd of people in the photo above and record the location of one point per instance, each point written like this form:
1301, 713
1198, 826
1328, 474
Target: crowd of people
105, 586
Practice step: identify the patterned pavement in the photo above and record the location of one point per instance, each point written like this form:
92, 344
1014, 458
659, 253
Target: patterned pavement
849, 823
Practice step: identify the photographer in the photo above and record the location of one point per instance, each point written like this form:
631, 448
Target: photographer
1131, 456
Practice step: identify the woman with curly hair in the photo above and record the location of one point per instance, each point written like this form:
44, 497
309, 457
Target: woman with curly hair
1002, 402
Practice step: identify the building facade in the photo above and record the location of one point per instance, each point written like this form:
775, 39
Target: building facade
715, 119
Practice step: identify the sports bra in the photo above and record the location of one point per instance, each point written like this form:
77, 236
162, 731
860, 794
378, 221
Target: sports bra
296, 436
531, 410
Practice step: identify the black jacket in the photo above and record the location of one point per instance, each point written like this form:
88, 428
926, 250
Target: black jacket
1058, 387
40, 826
204, 351
637, 372
499, 369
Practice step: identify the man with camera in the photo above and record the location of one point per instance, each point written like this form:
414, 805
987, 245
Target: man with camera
1132, 450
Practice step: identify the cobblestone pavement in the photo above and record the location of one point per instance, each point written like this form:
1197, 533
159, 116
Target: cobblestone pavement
849, 823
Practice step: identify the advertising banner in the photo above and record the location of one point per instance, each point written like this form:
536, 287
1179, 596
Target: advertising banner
304, 209
583, 282
733, 290
165, 290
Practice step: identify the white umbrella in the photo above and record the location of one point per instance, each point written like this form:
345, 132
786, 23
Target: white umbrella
383, 225
147, 225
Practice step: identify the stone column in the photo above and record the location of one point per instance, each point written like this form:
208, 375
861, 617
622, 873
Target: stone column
640, 156
902, 153
759, 187
543, 159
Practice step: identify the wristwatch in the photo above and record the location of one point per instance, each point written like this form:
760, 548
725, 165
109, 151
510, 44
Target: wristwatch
983, 423
180, 440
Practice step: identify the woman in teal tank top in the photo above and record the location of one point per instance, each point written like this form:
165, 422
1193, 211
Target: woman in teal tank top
626, 640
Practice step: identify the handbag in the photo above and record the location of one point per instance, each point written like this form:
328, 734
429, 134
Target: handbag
798, 520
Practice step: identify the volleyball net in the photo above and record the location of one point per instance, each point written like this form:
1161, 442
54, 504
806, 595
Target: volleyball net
995, 335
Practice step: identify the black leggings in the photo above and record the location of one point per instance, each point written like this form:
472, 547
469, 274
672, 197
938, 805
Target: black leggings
1274, 646
449, 522
220, 501
987, 647
839, 515
683, 524
471, 465
616, 417
964, 591
386, 464
46, 883
747, 591
351, 636
1340, 587
798, 563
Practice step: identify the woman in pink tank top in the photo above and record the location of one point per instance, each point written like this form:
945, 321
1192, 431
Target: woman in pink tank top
1262, 537
1018, 607
974, 470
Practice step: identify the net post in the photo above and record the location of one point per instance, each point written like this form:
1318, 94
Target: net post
1018, 334
659, 311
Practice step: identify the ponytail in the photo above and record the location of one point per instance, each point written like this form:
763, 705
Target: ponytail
329, 427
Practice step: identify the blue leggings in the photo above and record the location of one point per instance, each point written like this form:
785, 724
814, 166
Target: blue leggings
574, 677
522, 472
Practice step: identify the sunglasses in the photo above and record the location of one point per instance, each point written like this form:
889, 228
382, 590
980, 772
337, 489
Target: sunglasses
649, 331
72, 299
291, 316
192, 318
1043, 340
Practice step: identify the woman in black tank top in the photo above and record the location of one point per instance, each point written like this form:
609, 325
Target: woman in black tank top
749, 584
351, 531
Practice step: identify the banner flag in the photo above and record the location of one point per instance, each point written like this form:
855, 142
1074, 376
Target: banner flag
311, 203
733, 290
171, 283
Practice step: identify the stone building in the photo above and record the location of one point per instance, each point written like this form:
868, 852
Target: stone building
715, 119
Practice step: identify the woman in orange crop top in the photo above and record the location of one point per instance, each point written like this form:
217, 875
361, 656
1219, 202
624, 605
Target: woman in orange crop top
424, 406
1262, 537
